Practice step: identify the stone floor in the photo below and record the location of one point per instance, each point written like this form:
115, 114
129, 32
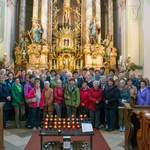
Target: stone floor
16, 139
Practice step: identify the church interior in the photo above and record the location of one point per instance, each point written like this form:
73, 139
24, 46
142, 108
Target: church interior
72, 35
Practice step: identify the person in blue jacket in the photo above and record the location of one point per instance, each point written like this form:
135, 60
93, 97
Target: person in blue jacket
5, 96
135, 81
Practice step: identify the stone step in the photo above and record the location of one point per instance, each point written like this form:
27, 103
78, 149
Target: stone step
13, 124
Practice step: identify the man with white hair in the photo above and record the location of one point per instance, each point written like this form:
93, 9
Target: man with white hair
88, 79
121, 76
29, 72
42, 80
66, 83
63, 77
135, 81
140, 76
95, 98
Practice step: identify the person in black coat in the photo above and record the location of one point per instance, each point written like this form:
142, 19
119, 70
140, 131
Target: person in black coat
109, 96
90, 82
5, 96
78, 81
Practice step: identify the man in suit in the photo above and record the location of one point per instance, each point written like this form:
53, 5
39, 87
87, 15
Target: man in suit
78, 80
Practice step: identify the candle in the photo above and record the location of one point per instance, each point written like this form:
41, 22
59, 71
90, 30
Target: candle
64, 122
59, 123
55, 116
85, 116
46, 120
73, 123
81, 119
78, 127
81, 116
77, 123
46, 127
73, 119
64, 127
47, 116
68, 119
51, 119
68, 123
77, 119
68, 127
50, 127
59, 127
59, 119
51, 116
72, 116
73, 127
55, 127
55, 123
46, 123
59, 131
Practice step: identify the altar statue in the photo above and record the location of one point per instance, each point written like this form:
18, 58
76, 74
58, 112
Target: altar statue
35, 33
55, 13
77, 15
94, 31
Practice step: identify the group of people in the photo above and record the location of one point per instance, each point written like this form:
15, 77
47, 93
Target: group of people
89, 92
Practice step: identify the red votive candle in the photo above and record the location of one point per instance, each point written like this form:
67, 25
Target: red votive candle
73, 127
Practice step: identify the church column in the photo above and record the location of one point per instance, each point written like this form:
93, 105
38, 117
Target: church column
88, 5
133, 38
110, 19
50, 6
22, 18
35, 9
44, 15
98, 16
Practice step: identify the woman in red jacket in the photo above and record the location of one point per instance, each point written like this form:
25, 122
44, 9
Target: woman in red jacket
58, 98
95, 98
84, 101
36, 107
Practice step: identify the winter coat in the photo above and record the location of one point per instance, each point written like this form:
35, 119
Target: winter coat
17, 97
58, 95
74, 97
143, 98
111, 96
94, 95
84, 98
49, 99
4, 93
136, 83
31, 94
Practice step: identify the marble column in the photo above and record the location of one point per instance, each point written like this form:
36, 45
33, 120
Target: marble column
50, 6
89, 16
35, 9
134, 5
98, 15
110, 19
22, 18
44, 15
122, 4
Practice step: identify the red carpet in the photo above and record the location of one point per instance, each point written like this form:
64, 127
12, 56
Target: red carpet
99, 142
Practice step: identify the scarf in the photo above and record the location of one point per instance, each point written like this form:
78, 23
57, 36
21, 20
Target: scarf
19, 87
70, 88
122, 89
109, 88
84, 89
97, 79
4, 83
64, 78
32, 84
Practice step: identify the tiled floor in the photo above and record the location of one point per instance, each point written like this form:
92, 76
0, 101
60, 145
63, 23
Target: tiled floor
16, 139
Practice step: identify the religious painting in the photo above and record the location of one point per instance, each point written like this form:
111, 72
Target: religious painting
66, 42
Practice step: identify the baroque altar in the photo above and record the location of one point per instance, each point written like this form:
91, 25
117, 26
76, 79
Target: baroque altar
65, 38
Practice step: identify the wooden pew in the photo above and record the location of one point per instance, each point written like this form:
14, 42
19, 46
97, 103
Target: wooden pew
1, 127
143, 134
132, 125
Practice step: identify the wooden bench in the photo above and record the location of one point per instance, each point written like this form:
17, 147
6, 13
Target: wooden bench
132, 125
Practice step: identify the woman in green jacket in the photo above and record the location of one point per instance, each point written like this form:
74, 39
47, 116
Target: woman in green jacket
18, 100
72, 98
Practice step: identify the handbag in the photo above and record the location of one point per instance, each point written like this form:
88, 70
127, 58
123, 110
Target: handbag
31, 100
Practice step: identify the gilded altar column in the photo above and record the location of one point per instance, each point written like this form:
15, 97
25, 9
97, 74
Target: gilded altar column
35, 9
89, 14
44, 16
110, 19
98, 16
22, 18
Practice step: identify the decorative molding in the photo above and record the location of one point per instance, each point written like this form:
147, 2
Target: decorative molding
122, 4
9, 3
134, 5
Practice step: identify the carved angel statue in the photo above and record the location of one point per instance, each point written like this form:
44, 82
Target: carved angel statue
78, 2
77, 14
9, 65
55, 13
55, 25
